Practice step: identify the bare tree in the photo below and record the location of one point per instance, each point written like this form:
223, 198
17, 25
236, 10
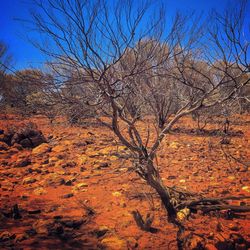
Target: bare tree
138, 70
5, 60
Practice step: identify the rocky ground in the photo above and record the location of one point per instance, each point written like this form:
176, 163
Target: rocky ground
76, 190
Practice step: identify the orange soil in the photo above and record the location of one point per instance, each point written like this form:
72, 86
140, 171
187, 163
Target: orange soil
195, 163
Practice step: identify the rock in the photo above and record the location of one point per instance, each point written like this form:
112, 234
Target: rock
5, 236
31, 232
50, 137
67, 195
39, 191
88, 142
22, 163
25, 136
82, 169
195, 242
225, 141
246, 188
104, 165
132, 243
114, 243
210, 247
171, 177
116, 194
60, 156
41, 149
21, 237
37, 138
24, 197
54, 179
183, 214
36, 211
40, 227
70, 164
58, 217
68, 183
81, 185
55, 229
101, 231
3, 146
16, 212
233, 227
29, 180
58, 149
210, 236
26, 143
224, 245
46, 161
237, 238
74, 223
18, 146
241, 246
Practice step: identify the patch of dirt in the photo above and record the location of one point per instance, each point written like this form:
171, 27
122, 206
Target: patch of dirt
77, 190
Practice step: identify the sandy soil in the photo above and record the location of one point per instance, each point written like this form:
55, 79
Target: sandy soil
78, 191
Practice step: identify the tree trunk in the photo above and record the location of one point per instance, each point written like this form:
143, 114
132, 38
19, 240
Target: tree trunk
156, 183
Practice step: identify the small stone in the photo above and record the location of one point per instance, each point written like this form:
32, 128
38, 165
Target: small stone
132, 242
40, 227
29, 180
246, 188
45, 162
3, 146
68, 183
67, 195
101, 231
243, 203
22, 163
196, 242
31, 232
58, 149
17, 146
116, 194
183, 214
237, 238
114, 243
81, 185
72, 223
24, 197
39, 191
210, 247
171, 177
5, 236
88, 142
41, 149
82, 169
36, 211
70, 164
104, 165
241, 246
211, 235
21, 237
233, 227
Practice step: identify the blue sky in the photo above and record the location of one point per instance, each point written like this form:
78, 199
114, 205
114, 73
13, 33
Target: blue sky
13, 32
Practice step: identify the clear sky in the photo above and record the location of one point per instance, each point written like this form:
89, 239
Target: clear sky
13, 32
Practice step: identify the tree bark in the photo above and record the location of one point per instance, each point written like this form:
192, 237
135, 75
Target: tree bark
162, 191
